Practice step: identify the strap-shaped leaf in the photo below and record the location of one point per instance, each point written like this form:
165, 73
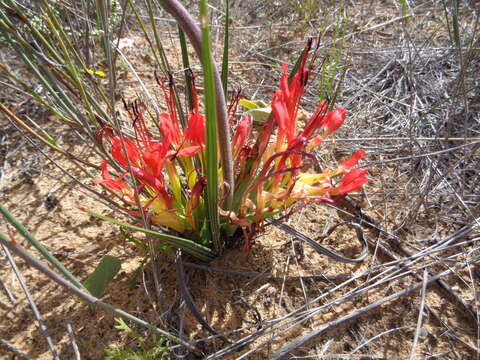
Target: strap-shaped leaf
190, 247
104, 273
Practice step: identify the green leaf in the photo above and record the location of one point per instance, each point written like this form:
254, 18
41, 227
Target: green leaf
188, 246
252, 104
225, 48
142, 248
122, 325
104, 273
211, 130
260, 115
259, 110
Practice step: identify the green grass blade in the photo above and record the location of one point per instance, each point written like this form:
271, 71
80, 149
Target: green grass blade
225, 48
32, 240
329, 84
194, 249
186, 66
211, 129
455, 23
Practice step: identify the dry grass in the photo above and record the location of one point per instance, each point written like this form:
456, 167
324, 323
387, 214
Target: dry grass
413, 100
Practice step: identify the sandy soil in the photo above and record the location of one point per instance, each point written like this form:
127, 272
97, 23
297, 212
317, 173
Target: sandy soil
284, 274
51, 210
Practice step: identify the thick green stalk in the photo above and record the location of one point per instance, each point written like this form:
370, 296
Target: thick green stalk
192, 30
211, 130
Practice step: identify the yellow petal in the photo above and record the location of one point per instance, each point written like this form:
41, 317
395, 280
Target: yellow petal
310, 179
169, 219
309, 190
158, 205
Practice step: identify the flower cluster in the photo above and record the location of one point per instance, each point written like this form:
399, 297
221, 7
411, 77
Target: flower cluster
271, 164
168, 200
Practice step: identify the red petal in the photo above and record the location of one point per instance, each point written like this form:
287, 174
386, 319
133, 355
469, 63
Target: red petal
108, 181
280, 111
317, 120
196, 129
154, 182
353, 185
133, 153
170, 129
284, 86
197, 190
353, 160
188, 151
153, 158
352, 175
242, 132
334, 120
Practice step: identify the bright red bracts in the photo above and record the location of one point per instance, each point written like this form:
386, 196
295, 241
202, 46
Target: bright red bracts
271, 169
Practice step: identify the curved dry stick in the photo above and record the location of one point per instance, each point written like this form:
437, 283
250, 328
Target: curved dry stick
190, 27
189, 300
322, 249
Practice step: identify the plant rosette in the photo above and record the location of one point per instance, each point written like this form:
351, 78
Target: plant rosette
163, 177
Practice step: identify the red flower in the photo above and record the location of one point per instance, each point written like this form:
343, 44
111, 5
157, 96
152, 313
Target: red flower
333, 120
352, 181
107, 180
131, 148
352, 160
242, 133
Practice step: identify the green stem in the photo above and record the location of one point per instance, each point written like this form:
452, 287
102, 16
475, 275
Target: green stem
211, 131
31, 239
225, 48
83, 294
186, 66
192, 30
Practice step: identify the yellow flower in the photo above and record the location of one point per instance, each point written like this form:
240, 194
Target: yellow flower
165, 217
96, 73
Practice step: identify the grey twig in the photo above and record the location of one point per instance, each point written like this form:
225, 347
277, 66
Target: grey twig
33, 306
71, 336
14, 349
420, 314
7, 292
